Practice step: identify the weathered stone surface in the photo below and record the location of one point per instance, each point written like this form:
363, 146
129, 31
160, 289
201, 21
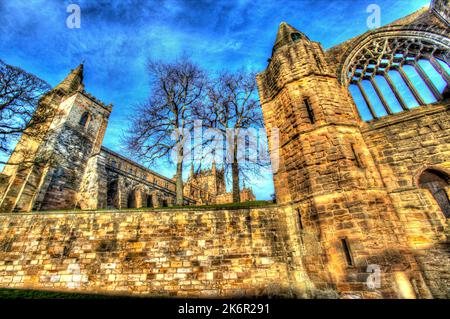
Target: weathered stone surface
355, 185
180, 253
350, 193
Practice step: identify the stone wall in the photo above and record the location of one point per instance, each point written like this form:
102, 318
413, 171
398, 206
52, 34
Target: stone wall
354, 184
404, 146
222, 253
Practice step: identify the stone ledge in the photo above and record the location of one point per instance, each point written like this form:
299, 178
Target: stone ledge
193, 209
405, 116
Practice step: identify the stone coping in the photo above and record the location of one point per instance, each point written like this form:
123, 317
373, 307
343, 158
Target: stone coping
156, 210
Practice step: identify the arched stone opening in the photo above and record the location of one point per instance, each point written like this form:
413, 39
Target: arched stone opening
131, 200
85, 118
437, 183
389, 74
149, 200
112, 194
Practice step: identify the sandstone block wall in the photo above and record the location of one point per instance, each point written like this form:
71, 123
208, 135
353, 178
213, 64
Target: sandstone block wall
404, 146
160, 253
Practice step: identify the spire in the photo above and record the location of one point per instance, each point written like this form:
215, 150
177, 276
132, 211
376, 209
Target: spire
214, 168
73, 81
192, 170
287, 34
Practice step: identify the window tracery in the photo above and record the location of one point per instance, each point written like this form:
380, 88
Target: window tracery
391, 75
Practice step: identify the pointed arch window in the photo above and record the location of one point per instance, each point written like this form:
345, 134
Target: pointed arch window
84, 120
437, 183
391, 75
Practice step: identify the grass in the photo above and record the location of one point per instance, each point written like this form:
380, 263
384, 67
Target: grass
243, 205
7, 293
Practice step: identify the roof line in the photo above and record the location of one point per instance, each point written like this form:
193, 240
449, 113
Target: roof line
136, 164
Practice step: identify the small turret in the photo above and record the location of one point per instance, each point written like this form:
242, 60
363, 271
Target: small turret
214, 168
192, 171
287, 34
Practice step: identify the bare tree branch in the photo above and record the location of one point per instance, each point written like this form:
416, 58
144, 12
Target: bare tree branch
20, 95
232, 107
161, 126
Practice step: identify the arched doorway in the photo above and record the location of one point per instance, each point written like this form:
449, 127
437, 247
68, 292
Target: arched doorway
149, 201
112, 193
131, 201
437, 182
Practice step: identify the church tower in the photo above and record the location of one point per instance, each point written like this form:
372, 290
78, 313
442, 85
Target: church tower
324, 171
46, 173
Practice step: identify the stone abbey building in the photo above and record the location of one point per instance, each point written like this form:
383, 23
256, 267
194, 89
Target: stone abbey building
360, 137
209, 186
88, 175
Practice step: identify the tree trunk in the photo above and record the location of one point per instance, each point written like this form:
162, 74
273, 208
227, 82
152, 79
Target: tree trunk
179, 182
235, 172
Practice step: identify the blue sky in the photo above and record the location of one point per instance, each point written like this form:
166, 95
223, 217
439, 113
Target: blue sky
116, 38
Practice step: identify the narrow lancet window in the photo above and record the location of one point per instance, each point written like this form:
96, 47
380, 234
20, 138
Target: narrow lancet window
84, 119
357, 156
310, 111
347, 252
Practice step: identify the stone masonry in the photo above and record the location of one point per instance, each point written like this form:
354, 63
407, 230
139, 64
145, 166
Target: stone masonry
359, 185
77, 171
181, 253
359, 201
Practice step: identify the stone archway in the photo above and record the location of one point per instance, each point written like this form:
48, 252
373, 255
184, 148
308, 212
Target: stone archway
131, 199
112, 194
437, 183
149, 200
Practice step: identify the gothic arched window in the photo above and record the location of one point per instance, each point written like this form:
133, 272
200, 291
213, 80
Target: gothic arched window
437, 182
391, 75
296, 36
84, 119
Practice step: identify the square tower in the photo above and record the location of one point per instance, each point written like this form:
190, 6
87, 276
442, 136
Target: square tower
51, 168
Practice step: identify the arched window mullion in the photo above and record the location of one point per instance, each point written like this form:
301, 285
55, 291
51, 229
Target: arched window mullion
440, 69
427, 81
366, 99
380, 96
396, 93
411, 86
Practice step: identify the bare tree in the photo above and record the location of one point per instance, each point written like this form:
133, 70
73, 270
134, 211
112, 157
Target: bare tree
232, 108
161, 126
20, 94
